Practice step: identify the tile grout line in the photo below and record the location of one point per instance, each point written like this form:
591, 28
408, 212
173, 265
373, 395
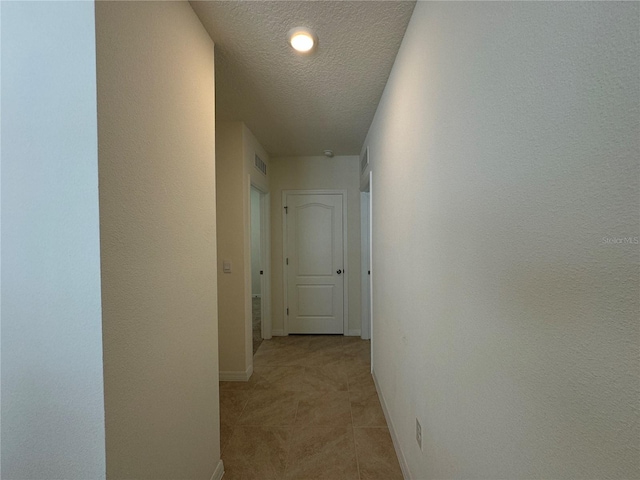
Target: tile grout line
290, 439
353, 428
252, 390
353, 431
286, 458
237, 422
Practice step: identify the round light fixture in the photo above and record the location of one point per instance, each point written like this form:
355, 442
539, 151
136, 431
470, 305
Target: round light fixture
302, 39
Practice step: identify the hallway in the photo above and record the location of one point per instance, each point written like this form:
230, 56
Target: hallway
498, 143
310, 410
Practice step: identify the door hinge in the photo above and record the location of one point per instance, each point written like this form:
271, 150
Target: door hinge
261, 272
286, 210
287, 310
287, 260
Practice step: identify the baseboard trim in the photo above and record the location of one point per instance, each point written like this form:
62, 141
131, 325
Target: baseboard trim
350, 333
239, 376
219, 471
394, 437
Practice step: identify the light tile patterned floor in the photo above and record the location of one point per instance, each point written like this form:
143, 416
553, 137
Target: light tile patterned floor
310, 411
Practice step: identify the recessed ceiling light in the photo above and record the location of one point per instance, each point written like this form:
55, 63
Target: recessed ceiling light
302, 39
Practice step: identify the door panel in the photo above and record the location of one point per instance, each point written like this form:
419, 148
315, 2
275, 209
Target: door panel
314, 238
315, 300
315, 252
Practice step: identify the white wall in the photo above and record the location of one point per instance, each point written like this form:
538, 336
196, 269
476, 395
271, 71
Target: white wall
504, 151
255, 242
158, 237
314, 173
52, 395
365, 259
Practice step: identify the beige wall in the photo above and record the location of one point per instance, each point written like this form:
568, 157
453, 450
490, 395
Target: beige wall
251, 148
230, 220
504, 155
236, 148
158, 240
314, 173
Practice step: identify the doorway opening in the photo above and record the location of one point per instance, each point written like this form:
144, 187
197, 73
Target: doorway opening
365, 221
366, 260
259, 262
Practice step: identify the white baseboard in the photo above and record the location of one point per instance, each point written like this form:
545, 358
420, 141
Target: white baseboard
277, 333
353, 333
239, 376
394, 437
218, 472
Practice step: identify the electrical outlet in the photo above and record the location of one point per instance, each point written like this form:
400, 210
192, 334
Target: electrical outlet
419, 434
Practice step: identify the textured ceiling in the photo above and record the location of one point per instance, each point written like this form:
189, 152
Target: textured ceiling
297, 104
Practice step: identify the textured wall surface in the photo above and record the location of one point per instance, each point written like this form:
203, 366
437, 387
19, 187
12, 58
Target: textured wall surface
158, 238
230, 218
235, 150
52, 398
296, 104
505, 155
315, 173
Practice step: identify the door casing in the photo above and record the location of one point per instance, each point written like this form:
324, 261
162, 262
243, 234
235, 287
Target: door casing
265, 258
365, 264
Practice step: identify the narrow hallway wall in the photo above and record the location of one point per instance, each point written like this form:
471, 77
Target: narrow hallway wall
506, 267
158, 237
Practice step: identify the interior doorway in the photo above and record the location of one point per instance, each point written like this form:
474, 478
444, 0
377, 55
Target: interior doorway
366, 249
257, 268
256, 264
365, 261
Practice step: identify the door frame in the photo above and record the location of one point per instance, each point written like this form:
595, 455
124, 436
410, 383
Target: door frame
365, 262
265, 261
371, 336
345, 256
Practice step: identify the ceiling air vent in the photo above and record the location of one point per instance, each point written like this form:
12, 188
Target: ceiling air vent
260, 165
364, 161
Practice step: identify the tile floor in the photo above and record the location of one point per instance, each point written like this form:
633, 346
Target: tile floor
309, 411
256, 310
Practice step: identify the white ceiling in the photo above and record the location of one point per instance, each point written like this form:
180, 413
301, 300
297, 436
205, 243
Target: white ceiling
295, 104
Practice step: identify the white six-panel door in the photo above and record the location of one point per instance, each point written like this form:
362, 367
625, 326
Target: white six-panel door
314, 263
